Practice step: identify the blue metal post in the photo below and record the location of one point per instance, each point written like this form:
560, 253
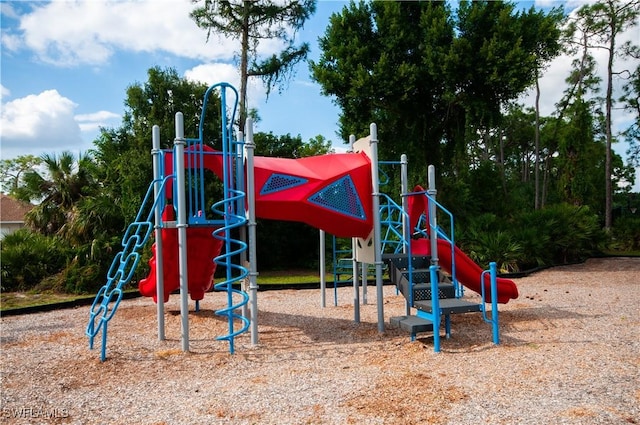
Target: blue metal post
494, 302
435, 307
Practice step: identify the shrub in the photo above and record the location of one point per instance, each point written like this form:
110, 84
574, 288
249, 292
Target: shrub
559, 234
485, 241
74, 279
625, 234
29, 257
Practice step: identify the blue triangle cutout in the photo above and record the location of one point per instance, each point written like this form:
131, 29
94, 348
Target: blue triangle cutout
340, 196
278, 182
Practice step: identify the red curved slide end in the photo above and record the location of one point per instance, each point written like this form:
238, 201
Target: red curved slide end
467, 271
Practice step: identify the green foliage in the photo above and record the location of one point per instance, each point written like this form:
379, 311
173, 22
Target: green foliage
285, 245
558, 234
625, 234
288, 146
486, 239
64, 182
12, 172
29, 257
75, 279
431, 78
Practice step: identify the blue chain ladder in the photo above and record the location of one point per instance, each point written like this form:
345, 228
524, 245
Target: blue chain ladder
121, 271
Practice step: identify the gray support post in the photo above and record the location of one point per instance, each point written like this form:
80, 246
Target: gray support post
157, 186
323, 271
373, 130
240, 205
181, 224
404, 187
251, 206
354, 263
356, 279
365, 269
406, 226
433, 223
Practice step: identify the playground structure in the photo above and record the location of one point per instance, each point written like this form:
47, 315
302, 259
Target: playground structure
336, 193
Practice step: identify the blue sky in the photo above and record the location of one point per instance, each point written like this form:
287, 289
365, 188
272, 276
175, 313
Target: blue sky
65, 67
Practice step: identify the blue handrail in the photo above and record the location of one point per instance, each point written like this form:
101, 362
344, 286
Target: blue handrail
494, 300
439, 231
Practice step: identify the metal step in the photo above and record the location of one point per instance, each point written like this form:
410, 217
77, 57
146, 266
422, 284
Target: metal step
422, 291
450, 306
401, 261
412, 324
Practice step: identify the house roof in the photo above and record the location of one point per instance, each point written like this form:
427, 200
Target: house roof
12, 210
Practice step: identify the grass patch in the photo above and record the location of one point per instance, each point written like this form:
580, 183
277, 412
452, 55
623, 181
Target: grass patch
617, 253
18, 300
31, 299
290, 277
13, 300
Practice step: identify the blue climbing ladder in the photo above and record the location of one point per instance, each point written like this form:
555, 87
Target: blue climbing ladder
122, 269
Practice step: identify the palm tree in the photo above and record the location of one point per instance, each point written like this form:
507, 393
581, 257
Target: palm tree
62, 183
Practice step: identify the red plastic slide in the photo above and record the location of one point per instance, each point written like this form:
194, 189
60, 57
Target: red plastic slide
467, 271
202, 247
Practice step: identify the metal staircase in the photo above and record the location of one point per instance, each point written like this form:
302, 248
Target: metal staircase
417, 281
432, 294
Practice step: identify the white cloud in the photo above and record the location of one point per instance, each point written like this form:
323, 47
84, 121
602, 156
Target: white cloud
4, 92
7, 10
94, 121
38, 124
553, 85
213, 73
71, 33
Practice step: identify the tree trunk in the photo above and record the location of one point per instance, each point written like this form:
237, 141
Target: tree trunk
244, 67
607, 165
537, 145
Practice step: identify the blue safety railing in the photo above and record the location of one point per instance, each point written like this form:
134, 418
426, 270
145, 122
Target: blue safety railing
493, 273
422, 225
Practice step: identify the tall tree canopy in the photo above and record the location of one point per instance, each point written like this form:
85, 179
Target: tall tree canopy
601, 24
432, 79
123, 153
251, 22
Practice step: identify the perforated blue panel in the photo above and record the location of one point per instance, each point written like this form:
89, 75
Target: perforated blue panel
278, 182
340, 196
